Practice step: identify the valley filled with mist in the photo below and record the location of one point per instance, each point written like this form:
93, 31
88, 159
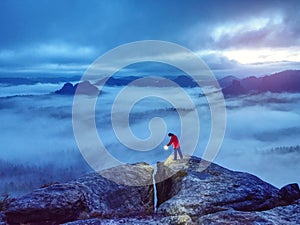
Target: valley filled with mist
38, 144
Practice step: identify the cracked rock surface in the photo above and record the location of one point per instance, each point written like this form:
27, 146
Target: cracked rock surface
196, 192
189, 191
90, 195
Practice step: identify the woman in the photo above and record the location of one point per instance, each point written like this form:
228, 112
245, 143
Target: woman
176, 145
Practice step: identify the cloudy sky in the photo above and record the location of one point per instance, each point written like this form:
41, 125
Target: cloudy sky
64, 37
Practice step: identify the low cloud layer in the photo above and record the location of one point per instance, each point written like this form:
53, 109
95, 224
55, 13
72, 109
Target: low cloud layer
38, 130
256, 125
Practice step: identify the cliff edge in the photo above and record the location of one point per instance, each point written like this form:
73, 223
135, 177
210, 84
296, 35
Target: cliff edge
187, 193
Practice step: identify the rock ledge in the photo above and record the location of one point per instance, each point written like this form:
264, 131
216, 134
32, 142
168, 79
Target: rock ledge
190, 195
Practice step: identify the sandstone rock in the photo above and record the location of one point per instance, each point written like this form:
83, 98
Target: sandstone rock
189, 191
170, 220
277, 216
2, 219
58, 203
290, 193
89, 195
289, 214
197, 192
123, 194
233, 217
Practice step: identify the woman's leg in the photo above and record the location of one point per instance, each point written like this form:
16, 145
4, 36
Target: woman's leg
180, 153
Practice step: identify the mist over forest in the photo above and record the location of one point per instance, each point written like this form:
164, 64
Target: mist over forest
38, 144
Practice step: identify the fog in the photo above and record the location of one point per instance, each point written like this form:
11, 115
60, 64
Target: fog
256, 125
37, 134
37, 89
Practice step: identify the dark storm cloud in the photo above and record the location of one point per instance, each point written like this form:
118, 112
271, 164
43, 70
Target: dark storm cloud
39, 33
236, 24
273, 31
217, 61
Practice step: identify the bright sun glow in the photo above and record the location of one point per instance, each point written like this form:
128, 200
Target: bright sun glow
255, 55
258, 55
249, 56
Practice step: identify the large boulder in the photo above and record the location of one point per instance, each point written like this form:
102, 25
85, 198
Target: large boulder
59, 202
2, 219
189, 191
91, 195
194, 190
290, 193
233, 217
289, 214
156, 220
277, 216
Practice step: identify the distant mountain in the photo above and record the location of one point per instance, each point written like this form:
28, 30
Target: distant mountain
226, 81
122, 81
185, 81
85, 88
285, 81
182, 80
30, 81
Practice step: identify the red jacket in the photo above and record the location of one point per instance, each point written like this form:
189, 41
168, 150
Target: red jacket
174, 141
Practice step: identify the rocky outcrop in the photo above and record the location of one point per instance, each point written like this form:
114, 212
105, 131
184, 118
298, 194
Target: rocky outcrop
83, 88
155, 220
290, 192
2, 219
189, 191
57, 203
197, 192
280, 215
91, 195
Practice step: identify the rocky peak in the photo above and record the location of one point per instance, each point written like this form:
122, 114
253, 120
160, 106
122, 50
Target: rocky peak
189, 191
84, 88
215, 188
90, 195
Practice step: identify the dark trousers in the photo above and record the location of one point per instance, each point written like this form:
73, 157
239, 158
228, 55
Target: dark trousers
179, 152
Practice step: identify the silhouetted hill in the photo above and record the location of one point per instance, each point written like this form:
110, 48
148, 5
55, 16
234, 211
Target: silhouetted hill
226, 81
285, 81
182, 80
185, 81
120, 81
85, 88
67, 89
